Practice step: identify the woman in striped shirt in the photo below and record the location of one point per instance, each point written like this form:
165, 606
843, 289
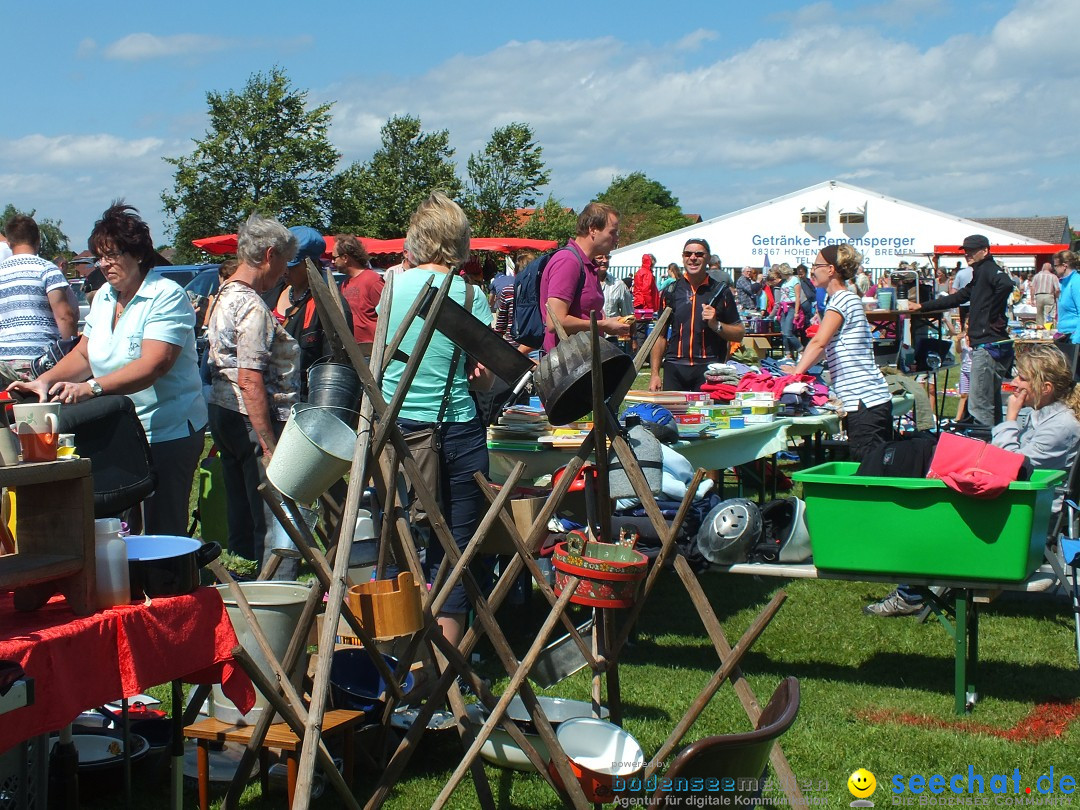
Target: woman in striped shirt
844, 337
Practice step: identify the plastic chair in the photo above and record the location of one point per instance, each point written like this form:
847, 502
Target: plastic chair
740, 757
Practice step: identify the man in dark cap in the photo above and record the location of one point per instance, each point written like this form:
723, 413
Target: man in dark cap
294, 307
991, 360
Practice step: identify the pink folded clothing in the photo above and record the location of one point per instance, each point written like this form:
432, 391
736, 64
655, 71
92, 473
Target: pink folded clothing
973, 467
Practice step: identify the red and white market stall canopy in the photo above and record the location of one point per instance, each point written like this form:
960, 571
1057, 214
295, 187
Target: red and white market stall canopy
226, 244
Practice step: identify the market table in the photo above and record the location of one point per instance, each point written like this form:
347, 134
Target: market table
965, 597
726, 448
79, 663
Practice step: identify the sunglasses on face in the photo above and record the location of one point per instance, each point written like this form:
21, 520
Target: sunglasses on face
688, 253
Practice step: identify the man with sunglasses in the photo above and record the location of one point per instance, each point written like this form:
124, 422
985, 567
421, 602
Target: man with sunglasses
992, 356
704, 320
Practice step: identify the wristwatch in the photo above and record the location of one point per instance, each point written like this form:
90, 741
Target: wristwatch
95, 387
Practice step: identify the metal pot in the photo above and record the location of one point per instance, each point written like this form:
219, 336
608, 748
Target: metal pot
564, 377
164, 565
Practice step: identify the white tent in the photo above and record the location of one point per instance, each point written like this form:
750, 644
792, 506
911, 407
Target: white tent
793, 228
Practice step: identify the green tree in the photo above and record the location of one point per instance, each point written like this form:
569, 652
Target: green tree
54, 241
551, 221
265, 151
377, 198
504, 177
646, 208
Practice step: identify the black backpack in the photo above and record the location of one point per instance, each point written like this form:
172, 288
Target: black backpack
528, 326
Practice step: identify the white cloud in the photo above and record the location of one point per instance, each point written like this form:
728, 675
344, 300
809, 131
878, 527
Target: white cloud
695, 39
81, 150
137, 47
87, 48
971, 123
820, 101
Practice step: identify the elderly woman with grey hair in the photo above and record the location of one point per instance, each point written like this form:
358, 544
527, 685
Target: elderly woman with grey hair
438, 396
254, 380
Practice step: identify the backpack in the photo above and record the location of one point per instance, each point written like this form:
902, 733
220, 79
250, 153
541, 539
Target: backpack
528, 327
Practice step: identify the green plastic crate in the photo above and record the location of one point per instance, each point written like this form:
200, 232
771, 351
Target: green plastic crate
920, 527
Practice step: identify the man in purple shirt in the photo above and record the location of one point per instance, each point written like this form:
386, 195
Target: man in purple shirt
570, 285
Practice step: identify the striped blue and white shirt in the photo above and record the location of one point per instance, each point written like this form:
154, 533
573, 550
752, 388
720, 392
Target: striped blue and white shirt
856, 378
27, 325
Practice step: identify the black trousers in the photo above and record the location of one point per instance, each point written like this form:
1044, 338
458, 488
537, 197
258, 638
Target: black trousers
867, 428
679, 377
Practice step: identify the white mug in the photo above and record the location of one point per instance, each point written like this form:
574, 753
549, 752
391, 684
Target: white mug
35, 414
38, 426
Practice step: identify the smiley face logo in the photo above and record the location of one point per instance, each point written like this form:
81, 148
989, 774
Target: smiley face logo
862, 784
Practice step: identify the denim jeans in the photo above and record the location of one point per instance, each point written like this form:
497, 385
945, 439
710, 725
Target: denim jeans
463, 452
787, 330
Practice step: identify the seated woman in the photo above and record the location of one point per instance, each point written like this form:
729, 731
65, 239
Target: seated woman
139, 340
1042, 422
438, 242
1042, 418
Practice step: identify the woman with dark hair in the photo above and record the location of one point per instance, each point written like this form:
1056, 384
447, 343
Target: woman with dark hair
844, 338
139, 340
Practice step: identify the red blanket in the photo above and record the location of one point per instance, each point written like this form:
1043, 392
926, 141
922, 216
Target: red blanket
78, 663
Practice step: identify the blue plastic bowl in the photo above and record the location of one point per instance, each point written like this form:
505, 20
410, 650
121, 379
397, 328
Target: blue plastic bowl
356, 685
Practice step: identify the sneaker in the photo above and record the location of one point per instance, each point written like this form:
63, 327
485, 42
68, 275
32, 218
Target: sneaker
893, 605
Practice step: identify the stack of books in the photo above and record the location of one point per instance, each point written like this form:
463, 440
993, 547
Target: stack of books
520, 427
675, 401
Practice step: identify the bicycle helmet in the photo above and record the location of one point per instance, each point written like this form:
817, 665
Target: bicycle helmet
785, 537
729, 531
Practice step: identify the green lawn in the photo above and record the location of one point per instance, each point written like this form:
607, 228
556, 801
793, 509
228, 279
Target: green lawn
858, 675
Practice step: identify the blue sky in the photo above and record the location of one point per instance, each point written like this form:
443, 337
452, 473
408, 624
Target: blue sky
968, 107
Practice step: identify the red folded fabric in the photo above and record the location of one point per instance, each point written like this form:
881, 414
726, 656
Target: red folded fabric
78, 663
722, 391
973, 467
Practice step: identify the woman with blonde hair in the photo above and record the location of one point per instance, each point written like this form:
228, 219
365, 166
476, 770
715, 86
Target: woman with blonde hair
1042, 417
438, 397
845, 340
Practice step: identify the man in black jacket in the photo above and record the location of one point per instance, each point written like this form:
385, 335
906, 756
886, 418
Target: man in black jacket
991, 361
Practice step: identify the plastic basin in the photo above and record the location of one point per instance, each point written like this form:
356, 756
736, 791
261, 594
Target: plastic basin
920, 527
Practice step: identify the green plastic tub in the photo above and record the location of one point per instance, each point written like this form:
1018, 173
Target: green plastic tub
919, 527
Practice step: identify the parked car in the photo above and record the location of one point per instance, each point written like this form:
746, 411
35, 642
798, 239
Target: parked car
204, 284
182, 274
80, 296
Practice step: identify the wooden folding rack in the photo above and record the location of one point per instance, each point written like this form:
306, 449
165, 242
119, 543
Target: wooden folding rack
380, 455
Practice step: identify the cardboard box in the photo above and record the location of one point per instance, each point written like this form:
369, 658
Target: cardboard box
524, 512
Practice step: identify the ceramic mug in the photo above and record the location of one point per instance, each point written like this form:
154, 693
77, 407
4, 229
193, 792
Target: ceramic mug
38, 427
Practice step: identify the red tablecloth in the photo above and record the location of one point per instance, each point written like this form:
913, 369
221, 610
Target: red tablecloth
78, 663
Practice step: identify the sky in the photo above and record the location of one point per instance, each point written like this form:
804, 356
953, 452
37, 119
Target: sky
971, 108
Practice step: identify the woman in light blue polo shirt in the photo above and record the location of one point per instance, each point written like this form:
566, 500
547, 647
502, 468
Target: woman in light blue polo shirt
139, 340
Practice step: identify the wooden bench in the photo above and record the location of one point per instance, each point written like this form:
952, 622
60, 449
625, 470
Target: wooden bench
279, 736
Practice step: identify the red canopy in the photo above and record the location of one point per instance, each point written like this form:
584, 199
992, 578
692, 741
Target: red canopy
226, 243
1003, 250
503, 244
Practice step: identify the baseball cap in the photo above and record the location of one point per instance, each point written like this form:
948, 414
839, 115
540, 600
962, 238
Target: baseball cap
309, 244
976, 242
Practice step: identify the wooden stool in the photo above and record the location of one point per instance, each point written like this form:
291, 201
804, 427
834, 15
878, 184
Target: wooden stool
279, 736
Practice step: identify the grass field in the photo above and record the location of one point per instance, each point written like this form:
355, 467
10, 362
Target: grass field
876, 693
